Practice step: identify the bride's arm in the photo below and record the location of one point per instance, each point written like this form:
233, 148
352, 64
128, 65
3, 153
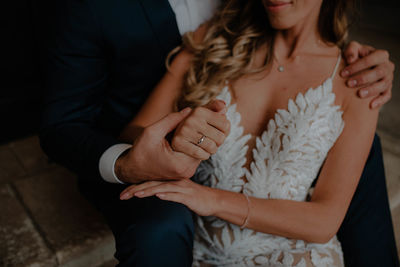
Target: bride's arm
314, 221
162, 99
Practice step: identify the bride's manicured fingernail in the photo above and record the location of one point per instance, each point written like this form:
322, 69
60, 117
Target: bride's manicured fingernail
363, 93
161, 195
352, 83
345, 73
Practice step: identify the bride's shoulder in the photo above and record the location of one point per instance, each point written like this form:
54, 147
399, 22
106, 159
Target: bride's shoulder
352, 105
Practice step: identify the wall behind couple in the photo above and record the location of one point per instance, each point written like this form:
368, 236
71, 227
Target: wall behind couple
26, 25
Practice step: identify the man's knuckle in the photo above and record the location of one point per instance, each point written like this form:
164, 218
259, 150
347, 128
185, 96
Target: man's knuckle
362, 79
392, 65
380, 72
368, 61
385, 54
378, 87
386, 83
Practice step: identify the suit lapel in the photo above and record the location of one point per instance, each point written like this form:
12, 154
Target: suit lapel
163, 22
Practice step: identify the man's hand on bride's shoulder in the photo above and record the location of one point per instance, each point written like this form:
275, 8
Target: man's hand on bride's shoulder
201, 133
370, 71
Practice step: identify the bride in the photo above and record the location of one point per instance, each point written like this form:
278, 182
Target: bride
271, 67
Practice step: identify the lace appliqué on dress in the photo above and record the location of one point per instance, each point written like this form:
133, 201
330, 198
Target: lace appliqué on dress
286, 159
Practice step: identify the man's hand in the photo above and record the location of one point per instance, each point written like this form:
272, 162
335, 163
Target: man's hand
152, 158
370, 71
201, 133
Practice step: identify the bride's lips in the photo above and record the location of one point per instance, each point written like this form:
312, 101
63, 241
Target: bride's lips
276, 6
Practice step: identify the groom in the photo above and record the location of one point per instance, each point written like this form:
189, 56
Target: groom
107, 59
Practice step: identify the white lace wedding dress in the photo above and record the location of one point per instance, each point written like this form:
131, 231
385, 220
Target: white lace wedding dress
287, 159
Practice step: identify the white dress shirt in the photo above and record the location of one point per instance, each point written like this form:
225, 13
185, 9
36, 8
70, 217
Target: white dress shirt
189, 15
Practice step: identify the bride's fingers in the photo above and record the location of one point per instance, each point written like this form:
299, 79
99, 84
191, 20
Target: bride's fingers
207, 144
181, 144
131, 190
163, 188
193, 136
214, 134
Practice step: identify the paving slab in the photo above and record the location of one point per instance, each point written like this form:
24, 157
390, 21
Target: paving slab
20, 242
30, 154
69, 223
10, 167
111, 263
389, 143
392, 171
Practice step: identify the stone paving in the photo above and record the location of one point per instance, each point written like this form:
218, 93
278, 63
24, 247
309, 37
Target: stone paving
45, 221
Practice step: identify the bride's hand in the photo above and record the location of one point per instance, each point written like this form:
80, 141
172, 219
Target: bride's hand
203, 131
200, 199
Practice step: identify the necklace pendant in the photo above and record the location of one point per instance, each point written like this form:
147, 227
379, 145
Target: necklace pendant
281, 68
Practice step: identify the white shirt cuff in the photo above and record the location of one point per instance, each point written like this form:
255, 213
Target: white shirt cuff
107, 162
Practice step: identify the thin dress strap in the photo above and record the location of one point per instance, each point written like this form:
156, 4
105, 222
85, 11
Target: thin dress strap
337, 66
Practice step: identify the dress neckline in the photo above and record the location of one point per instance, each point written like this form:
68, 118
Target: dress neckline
326, 82
295, 104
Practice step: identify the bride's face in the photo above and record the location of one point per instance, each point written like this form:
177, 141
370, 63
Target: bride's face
285, 14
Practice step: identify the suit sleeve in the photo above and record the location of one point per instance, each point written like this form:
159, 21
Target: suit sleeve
76, 87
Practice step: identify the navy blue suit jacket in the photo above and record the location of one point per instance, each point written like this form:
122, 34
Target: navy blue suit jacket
101, 67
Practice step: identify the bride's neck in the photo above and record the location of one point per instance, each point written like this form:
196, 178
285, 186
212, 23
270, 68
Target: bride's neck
303, 38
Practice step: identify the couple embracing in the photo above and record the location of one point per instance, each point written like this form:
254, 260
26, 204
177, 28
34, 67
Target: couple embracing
254, 147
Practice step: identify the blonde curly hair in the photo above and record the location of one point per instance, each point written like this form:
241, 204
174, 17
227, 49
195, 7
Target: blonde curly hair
235, 33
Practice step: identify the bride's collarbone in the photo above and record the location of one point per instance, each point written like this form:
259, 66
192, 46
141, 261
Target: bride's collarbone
265, 98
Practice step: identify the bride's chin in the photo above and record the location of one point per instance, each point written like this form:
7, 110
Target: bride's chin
280, 24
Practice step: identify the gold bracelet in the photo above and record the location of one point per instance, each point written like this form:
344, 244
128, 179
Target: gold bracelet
246, 220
